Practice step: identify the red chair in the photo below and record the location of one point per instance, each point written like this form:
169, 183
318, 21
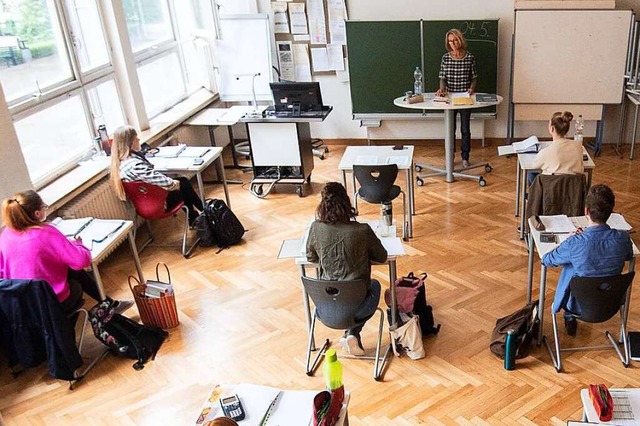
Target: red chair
149, 201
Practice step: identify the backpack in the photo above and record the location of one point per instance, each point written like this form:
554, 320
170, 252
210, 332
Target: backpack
124, 336
218, 225
412, 287
524, 322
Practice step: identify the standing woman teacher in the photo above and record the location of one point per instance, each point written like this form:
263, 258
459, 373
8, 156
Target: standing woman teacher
458, 73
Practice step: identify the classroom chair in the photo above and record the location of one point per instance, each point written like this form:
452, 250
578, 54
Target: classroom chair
377, 187
336, 303
34, 329
599, 298
149, 202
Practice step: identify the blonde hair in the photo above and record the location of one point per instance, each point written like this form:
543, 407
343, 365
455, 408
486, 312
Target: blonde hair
123, 139
456, 32
18, 212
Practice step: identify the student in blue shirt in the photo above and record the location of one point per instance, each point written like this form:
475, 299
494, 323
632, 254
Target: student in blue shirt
596, 251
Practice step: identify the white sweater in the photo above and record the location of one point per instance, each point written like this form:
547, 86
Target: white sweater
563, 156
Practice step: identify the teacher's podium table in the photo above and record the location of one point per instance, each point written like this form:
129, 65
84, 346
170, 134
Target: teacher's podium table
449, 107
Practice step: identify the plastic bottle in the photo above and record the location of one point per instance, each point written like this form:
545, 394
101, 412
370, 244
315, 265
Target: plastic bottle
510, 351
417, 84
579, 128
332, 370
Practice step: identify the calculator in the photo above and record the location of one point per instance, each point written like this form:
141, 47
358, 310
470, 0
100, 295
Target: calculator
232, 407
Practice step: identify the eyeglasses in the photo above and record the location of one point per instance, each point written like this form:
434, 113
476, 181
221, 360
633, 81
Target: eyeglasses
44, 207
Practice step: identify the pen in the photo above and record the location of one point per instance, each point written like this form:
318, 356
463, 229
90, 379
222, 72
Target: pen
268, 412
82, 228
204, 153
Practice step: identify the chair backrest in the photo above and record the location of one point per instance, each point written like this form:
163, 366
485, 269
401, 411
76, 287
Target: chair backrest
148, 200
600, 298
376, 181
336, 301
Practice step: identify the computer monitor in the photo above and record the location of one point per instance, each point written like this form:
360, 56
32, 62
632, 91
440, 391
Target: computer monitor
297, 97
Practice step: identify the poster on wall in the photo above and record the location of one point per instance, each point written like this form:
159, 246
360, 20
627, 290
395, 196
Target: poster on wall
285, 60
298, 18
280, 19
317, 23
337, 16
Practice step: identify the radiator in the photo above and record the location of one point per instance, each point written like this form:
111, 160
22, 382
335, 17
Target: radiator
99, 201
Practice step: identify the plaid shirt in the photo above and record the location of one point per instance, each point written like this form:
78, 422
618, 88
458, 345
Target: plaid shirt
458, 73
136, 167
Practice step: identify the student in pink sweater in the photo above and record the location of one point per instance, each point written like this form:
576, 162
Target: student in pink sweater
33, 249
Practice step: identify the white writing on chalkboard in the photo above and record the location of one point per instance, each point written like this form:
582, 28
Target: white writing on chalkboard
472, 29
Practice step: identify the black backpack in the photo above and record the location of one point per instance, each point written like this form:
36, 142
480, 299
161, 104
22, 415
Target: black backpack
218, 225
524, 322
124, 336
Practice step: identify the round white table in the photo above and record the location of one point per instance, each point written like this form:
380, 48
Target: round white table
449, 138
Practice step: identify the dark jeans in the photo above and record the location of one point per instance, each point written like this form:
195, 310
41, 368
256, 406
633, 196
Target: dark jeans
188, 195
531, 176
80, 282
367, 309
465, 124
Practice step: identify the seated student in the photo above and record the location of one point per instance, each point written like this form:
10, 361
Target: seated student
31, 249
563, 156
596, 251
128, 164
344, 249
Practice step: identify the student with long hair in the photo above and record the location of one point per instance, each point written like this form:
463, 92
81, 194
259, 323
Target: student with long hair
344, 250
129, 164
32, 249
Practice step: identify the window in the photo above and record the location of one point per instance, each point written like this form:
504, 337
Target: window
87, 34
161, 83
105, 105
148, 23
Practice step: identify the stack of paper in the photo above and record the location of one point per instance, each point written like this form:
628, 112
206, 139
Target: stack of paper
170, 151
441, 99
530, 144
486, 97
463, 101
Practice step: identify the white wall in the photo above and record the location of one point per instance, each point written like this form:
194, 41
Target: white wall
334, 92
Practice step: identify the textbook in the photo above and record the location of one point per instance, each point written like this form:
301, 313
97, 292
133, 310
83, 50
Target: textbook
486, 97
463, 101
263, 405
530, 144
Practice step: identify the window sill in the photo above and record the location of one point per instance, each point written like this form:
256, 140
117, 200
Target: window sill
73, 183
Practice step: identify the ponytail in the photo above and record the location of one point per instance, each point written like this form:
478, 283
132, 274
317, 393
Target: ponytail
18, 212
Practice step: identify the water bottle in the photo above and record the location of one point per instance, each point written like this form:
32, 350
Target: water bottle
332, 370
386, 213
510, 351
417, 84
579, 128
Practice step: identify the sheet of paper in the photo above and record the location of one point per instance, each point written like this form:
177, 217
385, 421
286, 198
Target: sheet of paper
366, 160
280, 18
557, 223
100, 230
343, 75
169, 151
195, 151
337, 15
317, 23
169, 164
526, 145
393, 245
293, 408
298, 18
399, 160
69, 227
336, 57
505, 149
320, 59
301, 37
301, 61
617, 221
285, 60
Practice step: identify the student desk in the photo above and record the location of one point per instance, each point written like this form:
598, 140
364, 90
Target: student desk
377, 155
184, 165
524, 166
449, 122
99, 251
542, 249
626, 407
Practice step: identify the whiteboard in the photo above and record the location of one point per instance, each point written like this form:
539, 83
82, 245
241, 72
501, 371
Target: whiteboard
244, 50
570, 56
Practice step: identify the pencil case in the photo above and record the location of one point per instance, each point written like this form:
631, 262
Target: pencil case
602, 402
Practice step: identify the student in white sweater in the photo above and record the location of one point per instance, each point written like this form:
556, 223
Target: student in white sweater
563, 156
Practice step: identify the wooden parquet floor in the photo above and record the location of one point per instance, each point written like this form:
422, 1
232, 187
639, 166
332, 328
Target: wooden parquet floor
242, 319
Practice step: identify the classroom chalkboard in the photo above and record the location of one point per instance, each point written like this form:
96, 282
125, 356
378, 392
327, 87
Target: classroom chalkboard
384, 54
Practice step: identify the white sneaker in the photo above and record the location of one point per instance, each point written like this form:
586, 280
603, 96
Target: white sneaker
465, 163
351, 345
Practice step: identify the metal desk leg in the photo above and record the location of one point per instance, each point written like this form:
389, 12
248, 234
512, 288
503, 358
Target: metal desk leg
392, 285
530, 268
353, 182
411, 203
589, 177
632, 264
134, 253
200, 186
523, 201
96, 275
543, 284
220, 171
618, 146
449, 117
633, 136
517, 187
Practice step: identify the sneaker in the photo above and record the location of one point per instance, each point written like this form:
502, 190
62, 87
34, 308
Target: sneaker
465, 163
571, 325
120, 306
352, 345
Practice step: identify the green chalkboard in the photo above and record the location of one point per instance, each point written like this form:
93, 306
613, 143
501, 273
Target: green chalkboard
383, 54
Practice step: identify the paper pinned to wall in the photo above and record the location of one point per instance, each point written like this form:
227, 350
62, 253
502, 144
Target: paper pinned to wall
298, 18
285, 60
317, 23
280, 19
320, 59
336, 59
337, 16
301, 62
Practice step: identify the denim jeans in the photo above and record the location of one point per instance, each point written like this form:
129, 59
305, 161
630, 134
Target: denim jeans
367, 308
465, 124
